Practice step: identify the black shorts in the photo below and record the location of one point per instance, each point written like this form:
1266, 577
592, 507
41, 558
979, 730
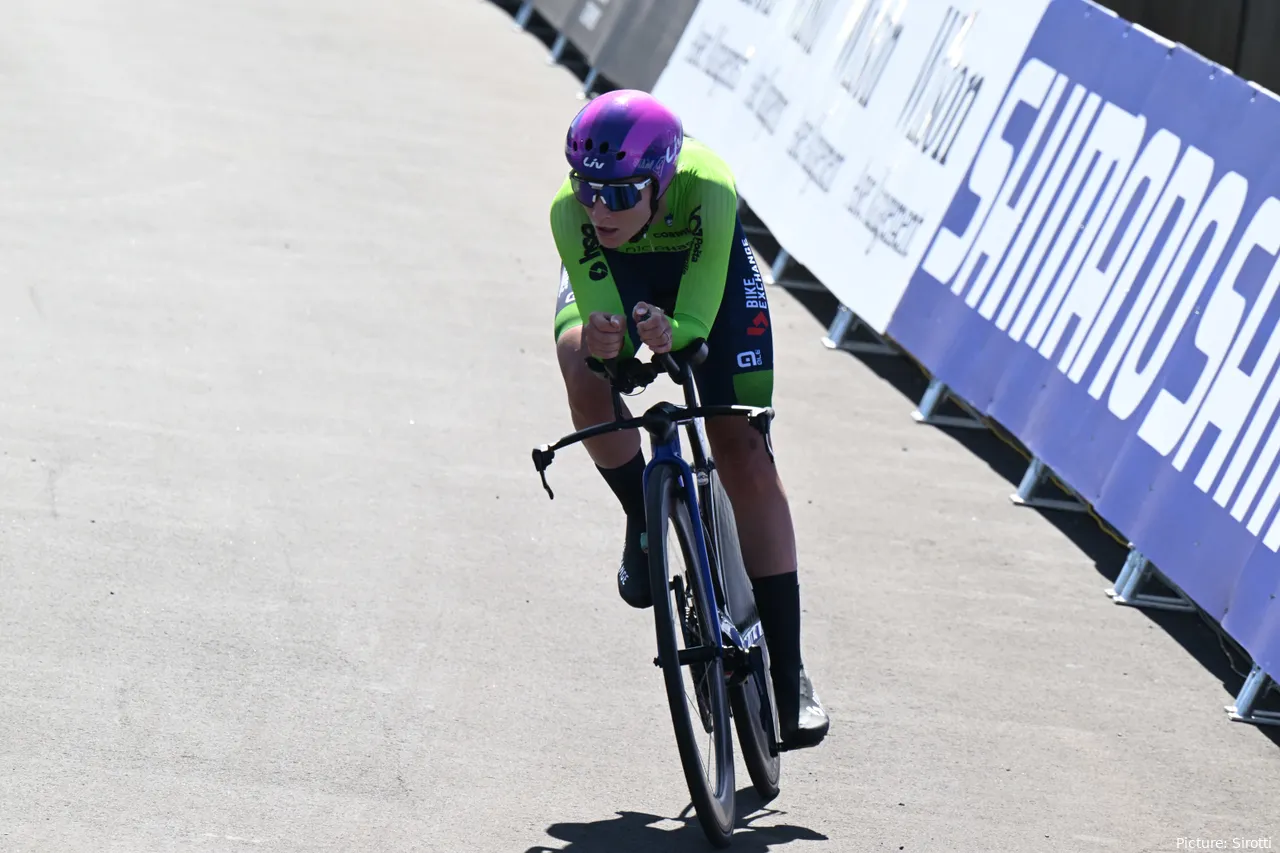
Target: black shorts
739, 365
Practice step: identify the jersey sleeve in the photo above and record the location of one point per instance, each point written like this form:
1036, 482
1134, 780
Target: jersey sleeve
712, 202
589, 275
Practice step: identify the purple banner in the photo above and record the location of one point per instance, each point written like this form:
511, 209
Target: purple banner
1104, 285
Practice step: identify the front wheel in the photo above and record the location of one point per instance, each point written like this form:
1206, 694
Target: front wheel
690, 654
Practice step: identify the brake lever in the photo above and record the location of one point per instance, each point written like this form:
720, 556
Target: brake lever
762, 422
542, 459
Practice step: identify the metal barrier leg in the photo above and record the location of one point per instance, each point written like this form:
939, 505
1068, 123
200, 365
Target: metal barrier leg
1255, 686
1127, 590
933, 397
1026, 490
557, 49
839, 327
523, 16
587, 84
844, 325
780, 264
1134, 565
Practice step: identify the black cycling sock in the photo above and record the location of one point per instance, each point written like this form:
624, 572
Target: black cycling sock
778, 602
627, 482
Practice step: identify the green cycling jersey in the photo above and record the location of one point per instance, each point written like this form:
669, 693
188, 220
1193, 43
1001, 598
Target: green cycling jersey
696, 220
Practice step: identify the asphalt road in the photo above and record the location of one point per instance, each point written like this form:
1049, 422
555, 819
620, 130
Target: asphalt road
277, 574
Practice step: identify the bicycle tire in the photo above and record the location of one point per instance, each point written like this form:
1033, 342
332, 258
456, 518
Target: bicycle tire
715, 808
751, 699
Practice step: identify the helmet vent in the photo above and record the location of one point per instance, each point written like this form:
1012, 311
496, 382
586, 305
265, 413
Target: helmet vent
588, 143
604, 147
621, 154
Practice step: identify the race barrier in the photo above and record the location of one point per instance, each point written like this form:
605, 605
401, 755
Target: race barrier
1103, 285
845, 122
1072, 224
626, 41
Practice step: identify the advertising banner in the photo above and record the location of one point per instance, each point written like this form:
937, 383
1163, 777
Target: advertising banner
849, 123
1103, 283
641, 41
558, 13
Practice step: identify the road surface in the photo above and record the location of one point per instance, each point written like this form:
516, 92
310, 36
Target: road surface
278, 574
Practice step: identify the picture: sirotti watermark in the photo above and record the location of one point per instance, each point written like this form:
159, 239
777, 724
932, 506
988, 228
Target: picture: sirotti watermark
1223, 844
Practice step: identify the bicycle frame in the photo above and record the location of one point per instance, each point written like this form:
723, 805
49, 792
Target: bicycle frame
665, 449
662, 422
696, 479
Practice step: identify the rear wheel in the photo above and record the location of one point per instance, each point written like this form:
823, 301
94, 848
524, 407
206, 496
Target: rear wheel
689, 652
751, 691
754, 717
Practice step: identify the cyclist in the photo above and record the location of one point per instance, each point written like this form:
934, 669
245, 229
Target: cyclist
647, 220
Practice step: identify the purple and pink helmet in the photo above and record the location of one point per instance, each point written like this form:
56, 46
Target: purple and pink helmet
622, 135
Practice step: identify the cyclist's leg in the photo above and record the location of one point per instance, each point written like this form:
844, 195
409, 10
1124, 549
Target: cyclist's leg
618, 456
739, 370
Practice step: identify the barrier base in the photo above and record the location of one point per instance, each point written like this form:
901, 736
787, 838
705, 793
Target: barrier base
1127, 590
1025, 496
842, 329
934, 396
1243, 711
780, 264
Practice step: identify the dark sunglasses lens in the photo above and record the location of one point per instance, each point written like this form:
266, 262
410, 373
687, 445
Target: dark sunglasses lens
620, 196
615, 196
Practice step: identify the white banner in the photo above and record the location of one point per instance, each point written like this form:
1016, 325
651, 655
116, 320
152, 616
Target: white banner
848, 123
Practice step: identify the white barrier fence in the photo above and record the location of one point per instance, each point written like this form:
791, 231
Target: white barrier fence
849, 123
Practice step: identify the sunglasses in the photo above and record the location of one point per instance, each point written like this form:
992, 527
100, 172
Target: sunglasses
616, 197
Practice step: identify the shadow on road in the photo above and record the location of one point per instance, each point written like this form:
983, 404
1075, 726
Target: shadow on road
1106, 547
634, 832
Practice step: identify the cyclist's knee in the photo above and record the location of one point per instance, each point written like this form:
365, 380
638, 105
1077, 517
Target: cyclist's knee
739, 449
582, 385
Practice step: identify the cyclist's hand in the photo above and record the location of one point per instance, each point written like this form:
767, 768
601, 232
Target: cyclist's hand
654, 332
604, 335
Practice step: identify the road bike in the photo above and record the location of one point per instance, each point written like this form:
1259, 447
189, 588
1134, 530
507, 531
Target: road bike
704, 608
